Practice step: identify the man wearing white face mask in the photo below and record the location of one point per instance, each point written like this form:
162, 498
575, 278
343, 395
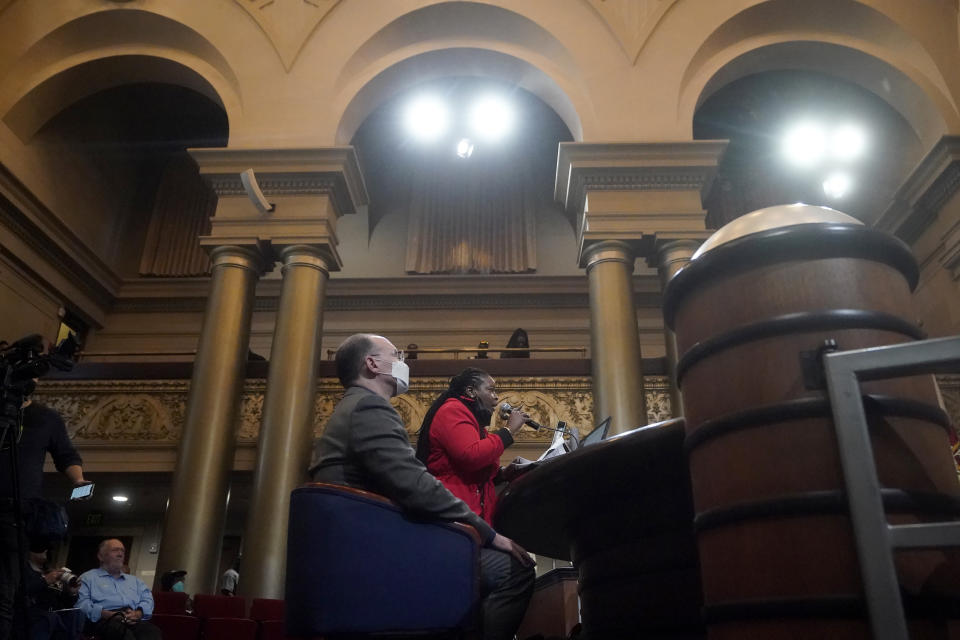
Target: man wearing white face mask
365, 446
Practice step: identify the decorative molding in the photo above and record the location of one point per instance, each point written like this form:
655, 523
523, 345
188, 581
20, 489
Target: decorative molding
333, 171
151, 412
632, 21
950, 258
923, 194
291, 184
288, 23
950, 392
151, 295
42, 232
387, 303
630, 166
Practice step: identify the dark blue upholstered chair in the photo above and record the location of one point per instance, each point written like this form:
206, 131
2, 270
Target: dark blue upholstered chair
357, 565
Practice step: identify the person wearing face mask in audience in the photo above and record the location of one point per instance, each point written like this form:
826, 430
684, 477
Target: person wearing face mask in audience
454, 443
173, 581
365, 445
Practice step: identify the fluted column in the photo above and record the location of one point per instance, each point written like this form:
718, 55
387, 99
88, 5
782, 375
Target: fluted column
614, 342
671, 256
286, 433
193, 526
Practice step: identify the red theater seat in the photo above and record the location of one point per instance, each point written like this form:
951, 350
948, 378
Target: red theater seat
223, 618
229, 629
267, 609
269, 615
178, 627
209, 606
169, 602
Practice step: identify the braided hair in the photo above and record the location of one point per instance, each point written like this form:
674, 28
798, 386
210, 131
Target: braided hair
469, 377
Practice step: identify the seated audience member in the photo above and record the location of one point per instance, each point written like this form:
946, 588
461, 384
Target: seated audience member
517, 341
50, 599
484, 345
454, 443
365, 446
173, 581
412, 351
117, 605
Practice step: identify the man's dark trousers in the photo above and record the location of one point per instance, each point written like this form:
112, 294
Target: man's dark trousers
505, 587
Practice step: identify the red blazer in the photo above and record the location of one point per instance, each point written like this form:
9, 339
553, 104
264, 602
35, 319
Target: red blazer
463, 461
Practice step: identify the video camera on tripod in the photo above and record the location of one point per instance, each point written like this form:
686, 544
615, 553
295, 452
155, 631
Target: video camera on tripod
21, 363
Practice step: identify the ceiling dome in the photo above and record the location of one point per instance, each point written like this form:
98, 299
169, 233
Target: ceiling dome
784, 215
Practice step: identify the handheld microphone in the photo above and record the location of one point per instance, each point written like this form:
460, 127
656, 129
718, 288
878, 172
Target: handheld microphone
505, 410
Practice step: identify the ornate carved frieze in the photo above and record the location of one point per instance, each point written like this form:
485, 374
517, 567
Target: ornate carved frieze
132, 412
274, 184
950, 392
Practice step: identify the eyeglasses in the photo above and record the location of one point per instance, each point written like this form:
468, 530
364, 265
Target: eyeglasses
399, 356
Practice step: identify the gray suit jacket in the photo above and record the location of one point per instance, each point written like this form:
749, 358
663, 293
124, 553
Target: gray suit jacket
365, 446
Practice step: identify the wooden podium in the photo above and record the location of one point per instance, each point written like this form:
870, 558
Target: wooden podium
621, 511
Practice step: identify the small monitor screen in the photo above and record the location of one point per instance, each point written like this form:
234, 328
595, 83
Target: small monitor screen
597, 434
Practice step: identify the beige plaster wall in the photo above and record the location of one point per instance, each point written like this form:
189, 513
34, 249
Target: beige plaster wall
293, 74
26, 307
288, 73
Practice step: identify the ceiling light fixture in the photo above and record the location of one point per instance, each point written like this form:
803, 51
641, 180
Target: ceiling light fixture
837, 185
491, 118
465, 148
804, 144
427, 118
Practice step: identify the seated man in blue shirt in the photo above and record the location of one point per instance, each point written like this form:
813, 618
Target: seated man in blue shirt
116, 604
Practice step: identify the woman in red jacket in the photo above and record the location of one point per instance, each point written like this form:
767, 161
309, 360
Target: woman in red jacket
455, 446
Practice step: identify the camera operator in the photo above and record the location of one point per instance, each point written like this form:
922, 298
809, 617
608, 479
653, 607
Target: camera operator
51, 596
41, 430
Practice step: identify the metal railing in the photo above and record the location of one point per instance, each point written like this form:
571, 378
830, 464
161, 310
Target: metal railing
876, 539
456, 351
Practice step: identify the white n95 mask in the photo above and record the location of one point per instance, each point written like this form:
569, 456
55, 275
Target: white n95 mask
401, 373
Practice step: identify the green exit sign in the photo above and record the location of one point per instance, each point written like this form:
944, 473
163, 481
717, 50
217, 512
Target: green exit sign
93, 519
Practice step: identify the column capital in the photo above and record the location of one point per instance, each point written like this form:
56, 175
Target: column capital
305, 255
925, 191
311, 188
632, 191
608, 251
250, 257
669, 248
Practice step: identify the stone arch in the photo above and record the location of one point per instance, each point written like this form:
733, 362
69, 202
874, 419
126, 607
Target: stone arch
494, 42
858, 44
107, 49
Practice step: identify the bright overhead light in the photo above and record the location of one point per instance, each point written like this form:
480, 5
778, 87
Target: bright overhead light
120, 498
848, 142
804, 144
837, 185
427, 118
465, 148
491, 118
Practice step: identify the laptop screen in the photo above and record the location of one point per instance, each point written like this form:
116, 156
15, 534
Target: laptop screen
597, 434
